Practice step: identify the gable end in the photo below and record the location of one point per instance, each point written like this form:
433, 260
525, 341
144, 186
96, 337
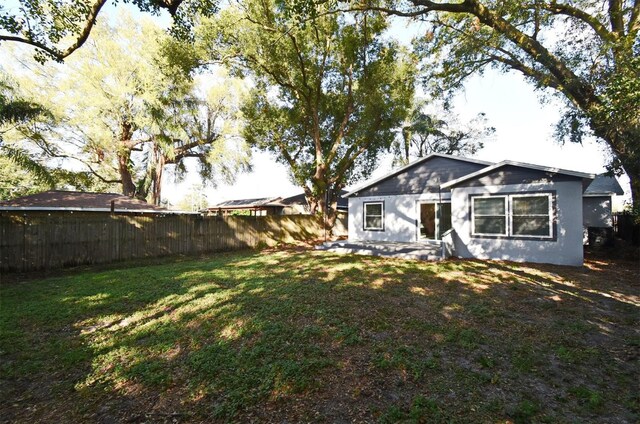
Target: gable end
423, 177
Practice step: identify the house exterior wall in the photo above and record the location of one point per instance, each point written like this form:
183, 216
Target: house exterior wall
400, 216
566, 248
596, 211
424, 177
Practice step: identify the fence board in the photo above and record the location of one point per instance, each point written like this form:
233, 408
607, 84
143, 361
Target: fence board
47, 240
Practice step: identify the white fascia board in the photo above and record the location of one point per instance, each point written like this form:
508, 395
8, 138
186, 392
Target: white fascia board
410, 165
602, 194
488, 169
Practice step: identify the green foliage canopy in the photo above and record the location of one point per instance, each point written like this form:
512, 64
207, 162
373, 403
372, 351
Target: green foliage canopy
20, 173
585, 51
426, 131
123, 112
328, 93
57, 28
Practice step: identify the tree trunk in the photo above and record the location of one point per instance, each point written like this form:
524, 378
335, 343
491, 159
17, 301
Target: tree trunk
124, 157
328, 206
311, 201
128, 188
331, 216
156, 175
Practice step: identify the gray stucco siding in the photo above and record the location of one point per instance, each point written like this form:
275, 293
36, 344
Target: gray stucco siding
566, 248
596, 211
425, 177
510, 175
400, 217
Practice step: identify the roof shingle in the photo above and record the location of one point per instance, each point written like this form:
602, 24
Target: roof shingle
79, 200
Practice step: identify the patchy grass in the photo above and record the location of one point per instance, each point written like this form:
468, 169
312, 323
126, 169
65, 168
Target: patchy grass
312, 336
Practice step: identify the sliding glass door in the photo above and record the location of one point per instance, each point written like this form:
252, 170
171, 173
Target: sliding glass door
434, 220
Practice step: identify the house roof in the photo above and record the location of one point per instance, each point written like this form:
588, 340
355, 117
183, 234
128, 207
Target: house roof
504, 163
248, 203
411, 165
78, 200
604, 185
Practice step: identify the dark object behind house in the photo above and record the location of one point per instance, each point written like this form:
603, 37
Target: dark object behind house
600, 237
625, 227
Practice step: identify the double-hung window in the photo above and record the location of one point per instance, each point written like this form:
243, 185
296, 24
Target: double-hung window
489, 215
531, 215
374, 216
514, 215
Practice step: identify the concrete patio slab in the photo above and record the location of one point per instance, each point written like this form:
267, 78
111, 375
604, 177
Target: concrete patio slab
427, 251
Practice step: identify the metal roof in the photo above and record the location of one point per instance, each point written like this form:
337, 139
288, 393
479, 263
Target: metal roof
300, 199
247, 203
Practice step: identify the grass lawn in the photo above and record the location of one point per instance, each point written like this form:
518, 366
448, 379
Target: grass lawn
298, 335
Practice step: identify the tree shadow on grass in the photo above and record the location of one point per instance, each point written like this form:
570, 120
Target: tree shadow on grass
312, 336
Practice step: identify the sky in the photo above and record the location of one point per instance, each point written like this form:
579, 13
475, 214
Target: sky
524, 133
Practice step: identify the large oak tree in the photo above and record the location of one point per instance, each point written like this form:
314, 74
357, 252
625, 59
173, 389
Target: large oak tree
122, 113
586, 51
328, 94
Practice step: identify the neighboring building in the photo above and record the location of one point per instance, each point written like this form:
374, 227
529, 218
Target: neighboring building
298, 204
293, 205
597, 205
597, 210
60, 200
253, 207
509, 210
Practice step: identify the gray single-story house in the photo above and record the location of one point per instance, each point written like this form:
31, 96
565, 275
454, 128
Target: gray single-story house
477, 209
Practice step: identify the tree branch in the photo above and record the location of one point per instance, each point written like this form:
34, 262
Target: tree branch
616, 17
634, 21
544, 79
592, 21
345, 119
82, 37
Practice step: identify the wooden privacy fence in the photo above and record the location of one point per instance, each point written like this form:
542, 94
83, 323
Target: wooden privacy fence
626, 227
47, 240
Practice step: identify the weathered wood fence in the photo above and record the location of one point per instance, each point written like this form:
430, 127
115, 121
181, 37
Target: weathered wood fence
46, 240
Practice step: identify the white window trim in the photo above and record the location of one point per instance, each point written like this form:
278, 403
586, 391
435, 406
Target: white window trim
508, 199
364, 216
549, 215
473, 216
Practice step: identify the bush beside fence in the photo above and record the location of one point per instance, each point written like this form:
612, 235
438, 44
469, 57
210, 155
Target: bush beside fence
45, 240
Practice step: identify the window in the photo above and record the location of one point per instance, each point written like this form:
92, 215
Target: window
531, 215
489, 215
513, 215
374, 216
